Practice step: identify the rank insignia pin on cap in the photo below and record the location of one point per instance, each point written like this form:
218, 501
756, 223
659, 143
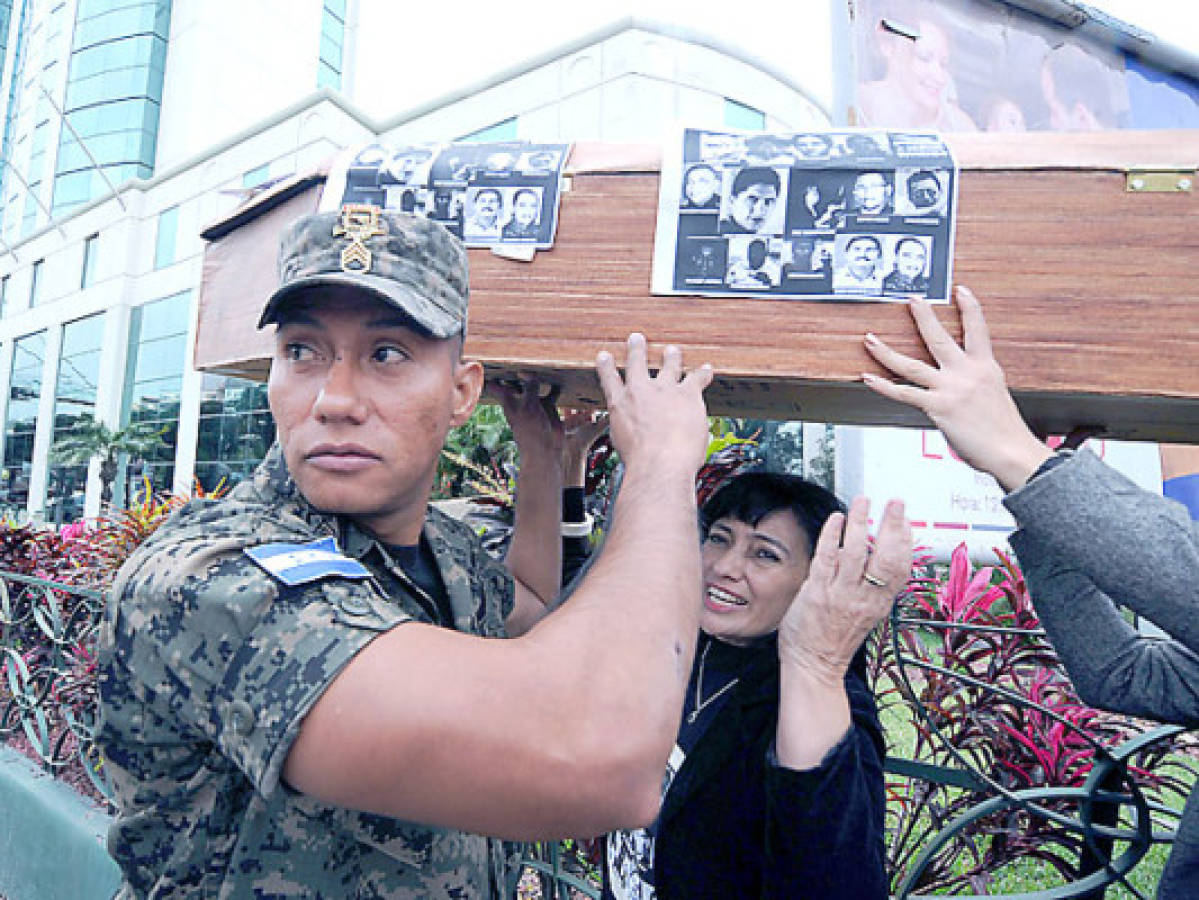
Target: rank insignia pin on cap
407, 261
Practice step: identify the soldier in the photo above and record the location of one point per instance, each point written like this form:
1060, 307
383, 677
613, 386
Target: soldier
269, 728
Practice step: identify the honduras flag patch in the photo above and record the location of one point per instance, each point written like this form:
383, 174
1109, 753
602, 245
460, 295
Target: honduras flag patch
301, 563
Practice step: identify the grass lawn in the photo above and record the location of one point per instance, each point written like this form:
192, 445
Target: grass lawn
1033, 875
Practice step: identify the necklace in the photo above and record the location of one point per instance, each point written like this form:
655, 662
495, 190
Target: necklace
700, 704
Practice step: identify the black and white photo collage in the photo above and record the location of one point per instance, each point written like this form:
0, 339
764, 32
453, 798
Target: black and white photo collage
486, 194
845, 215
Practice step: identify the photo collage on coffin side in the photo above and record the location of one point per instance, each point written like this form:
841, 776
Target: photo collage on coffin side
839, 214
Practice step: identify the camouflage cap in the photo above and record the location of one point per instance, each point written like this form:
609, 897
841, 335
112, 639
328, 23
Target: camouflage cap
407, 261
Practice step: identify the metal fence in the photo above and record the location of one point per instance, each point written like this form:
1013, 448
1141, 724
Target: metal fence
48, 666
1100, 827
1105, 825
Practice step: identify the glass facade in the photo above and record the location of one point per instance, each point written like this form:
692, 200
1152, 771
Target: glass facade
24, 394
164, 239
36, 167
87, 272
256, 176
5, 20
45, 118
35, 281
333, 38
500, 131
114, 90
738, 115
236, 429
10, 187
153, 384
74, 399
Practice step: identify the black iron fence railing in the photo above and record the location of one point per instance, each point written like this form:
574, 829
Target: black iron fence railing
1100, 828
48, 676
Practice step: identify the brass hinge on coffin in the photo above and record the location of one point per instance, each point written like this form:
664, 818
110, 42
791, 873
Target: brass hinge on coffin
1159, 181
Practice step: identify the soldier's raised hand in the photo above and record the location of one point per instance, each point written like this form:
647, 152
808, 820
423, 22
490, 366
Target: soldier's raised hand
655, 419
531, 413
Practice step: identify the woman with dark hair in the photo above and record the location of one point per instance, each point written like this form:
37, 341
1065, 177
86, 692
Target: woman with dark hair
775, 785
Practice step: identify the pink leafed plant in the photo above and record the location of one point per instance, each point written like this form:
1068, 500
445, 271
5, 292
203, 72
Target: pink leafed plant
977, 685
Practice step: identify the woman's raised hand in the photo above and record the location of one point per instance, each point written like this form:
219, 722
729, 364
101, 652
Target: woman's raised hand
963, 393
850, 587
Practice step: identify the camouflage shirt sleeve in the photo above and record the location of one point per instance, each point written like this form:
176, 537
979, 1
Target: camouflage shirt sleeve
480, 587
495, 581
238, 657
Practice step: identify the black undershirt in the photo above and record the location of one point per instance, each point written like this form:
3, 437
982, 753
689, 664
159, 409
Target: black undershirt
418, 564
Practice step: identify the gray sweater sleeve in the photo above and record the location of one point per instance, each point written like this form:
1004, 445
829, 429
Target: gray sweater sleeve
1139, 548
1087, 536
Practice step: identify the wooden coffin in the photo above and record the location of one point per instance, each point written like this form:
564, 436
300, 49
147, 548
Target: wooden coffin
1091, 290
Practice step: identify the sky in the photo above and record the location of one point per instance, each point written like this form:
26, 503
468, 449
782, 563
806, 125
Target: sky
487, 38
1175, 21
434, 61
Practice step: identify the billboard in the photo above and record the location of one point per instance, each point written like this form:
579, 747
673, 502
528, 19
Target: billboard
981, 65
978, 65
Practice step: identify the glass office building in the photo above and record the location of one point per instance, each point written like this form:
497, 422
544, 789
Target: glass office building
113, 97
10, 106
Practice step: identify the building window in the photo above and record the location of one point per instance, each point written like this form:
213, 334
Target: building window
24, 395
4, 296
35, 168
153, 384
738, 115
74, 400
35, 282
5, 18
256, 176
500, 131
333, 38
87, 273
13, 108
236, 430
164, 242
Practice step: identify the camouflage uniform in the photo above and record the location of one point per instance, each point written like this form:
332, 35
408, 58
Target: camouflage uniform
208, 665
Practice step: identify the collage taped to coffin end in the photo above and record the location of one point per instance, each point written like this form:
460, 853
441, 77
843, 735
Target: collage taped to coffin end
486, 194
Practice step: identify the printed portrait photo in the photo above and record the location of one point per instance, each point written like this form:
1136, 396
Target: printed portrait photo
754, 201
921, 192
